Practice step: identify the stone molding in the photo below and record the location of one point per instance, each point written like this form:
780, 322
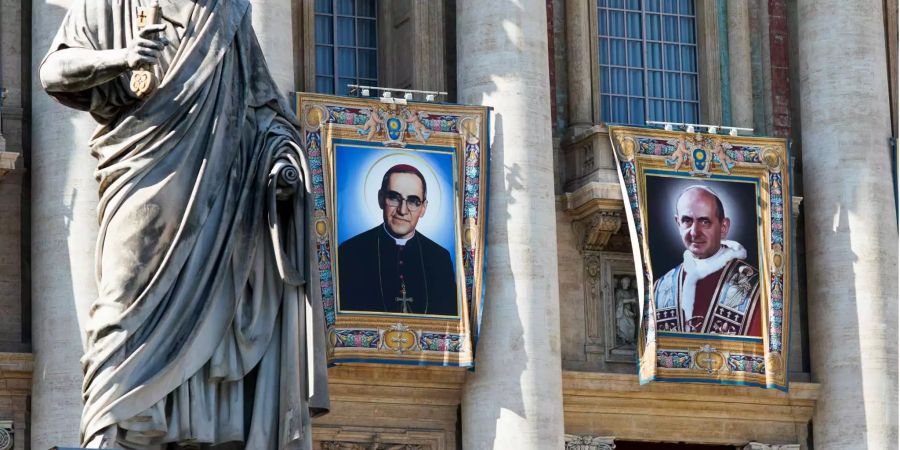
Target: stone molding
596, 211
395, 407
795, 206
7, 159
616, 404
587, 442
15, 374
377, 438
594, 230
759, 446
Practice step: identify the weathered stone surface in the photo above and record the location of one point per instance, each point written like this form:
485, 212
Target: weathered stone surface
513, 399
851, 230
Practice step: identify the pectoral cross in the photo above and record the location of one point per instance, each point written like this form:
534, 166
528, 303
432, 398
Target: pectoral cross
403, 298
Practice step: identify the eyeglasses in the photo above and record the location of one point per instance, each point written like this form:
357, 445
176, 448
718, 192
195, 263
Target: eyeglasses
394, 199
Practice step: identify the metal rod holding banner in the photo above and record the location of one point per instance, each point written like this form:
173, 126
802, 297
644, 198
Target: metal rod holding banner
689, 127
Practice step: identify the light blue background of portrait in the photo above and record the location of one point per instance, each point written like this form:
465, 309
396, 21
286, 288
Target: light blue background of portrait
357, 199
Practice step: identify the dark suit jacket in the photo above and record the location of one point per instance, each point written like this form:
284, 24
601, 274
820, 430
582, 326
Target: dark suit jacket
370, 266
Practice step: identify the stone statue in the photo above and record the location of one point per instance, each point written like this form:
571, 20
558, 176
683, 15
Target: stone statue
207, 329
626, 312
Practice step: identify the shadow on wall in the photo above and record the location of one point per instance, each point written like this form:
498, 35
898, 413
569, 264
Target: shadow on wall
513, 44
63, 232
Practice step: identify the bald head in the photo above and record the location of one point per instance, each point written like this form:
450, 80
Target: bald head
701, 220
700, 192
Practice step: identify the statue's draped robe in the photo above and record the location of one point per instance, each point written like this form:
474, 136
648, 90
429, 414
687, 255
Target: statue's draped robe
194, 328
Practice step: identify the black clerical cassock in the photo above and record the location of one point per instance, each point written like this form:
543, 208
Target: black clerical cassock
378, 275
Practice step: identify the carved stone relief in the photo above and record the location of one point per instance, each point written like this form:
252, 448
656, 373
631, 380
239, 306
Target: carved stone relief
377, 438
6, 435
595, 229
611, 305
760, 446
583, 442
336, 445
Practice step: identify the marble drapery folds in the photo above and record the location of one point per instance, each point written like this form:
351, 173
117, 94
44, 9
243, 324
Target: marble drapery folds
203, 313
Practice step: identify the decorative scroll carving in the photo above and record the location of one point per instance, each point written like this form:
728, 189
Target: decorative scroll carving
581, 442
377, 438
795, 205
6, 436
594, 230
760, 446
336, 445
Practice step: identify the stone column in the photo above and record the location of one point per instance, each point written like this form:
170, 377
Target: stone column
740, 71
514, 397
272, 21
851, 233
578, 49
63, 235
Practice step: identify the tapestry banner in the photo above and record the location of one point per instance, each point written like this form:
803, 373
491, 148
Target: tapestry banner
709, 218
399, 222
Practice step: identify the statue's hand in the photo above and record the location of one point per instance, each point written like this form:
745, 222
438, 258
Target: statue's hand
144, 50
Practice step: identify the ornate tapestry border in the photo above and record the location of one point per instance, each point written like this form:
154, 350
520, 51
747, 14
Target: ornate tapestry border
700, 357
391, 337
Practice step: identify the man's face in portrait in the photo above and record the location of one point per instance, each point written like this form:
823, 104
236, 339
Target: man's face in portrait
403, 204
701, 222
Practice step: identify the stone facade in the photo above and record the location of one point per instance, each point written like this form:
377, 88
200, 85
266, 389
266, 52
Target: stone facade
536, 63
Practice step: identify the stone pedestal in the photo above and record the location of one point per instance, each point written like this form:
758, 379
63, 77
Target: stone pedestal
514, 397
851, 230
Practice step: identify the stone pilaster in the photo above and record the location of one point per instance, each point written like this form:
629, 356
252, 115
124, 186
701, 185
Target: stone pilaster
740, 71
513, 399
578, 49
851, 232
63, 234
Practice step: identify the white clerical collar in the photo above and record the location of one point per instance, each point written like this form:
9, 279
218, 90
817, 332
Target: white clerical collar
398, 241
698, 269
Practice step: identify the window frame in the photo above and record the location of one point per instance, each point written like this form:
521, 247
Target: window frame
336, 47
709, 78
646, 97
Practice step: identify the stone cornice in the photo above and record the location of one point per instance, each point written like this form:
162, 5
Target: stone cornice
15, 373
596, 211
387, 384
689, 412
594, 391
